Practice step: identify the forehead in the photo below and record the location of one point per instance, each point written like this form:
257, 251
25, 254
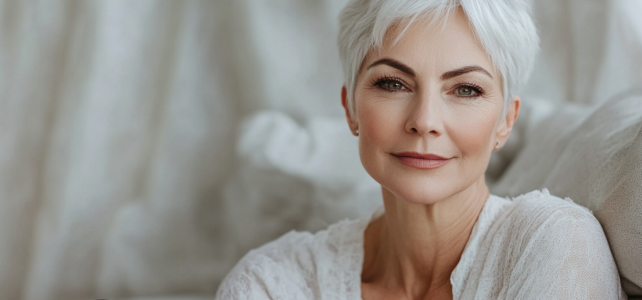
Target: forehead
434, 46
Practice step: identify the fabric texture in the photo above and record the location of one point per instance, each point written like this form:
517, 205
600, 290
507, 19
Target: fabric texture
535, 247
594, 156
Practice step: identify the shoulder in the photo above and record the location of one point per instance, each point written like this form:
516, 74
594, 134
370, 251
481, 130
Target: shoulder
263, 272
554, 240
541, 218
538, 207
290, 267
539, 212
258, 273
540, 203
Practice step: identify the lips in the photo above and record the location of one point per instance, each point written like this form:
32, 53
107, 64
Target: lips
420, 160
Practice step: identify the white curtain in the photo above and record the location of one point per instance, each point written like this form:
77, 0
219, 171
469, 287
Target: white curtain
138, 154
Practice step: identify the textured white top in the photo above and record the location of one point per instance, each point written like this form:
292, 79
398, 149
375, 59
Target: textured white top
537, 246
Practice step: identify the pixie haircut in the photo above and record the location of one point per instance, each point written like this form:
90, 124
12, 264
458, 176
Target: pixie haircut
503, 28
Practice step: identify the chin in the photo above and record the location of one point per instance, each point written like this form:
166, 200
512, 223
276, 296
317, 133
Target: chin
418, 186
419, 191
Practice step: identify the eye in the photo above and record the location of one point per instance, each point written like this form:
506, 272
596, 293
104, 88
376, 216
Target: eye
393, 85
464, 91
390, 84
468, 91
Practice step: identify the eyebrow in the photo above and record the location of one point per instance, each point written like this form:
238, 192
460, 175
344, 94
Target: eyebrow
395, 64
464, 70
408, 70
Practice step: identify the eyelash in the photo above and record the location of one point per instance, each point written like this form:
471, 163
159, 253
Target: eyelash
386, 79
476, 88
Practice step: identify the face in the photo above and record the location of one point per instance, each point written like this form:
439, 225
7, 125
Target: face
428, 110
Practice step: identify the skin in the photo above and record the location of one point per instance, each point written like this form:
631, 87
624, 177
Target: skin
411, 251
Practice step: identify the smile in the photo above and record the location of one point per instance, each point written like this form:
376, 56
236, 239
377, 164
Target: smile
421, 161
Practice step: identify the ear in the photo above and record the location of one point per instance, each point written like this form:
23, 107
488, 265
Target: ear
344, 101
506, 126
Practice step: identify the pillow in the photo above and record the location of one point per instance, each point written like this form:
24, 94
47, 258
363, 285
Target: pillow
595, 158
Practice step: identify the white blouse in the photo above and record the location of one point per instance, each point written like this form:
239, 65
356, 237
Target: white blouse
537, 246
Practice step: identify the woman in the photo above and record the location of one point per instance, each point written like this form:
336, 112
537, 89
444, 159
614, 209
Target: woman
431, 91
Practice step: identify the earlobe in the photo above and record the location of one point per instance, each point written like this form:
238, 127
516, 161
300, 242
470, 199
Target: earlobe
497, 147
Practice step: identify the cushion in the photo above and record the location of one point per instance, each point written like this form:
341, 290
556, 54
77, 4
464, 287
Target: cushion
593, 156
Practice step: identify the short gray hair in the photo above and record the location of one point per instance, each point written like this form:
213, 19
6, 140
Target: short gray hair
504, 29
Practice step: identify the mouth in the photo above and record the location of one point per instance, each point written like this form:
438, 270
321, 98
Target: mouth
421, 161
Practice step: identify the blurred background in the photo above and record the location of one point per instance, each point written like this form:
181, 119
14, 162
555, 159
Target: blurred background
145, 146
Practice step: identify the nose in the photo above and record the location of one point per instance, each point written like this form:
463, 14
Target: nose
424, 116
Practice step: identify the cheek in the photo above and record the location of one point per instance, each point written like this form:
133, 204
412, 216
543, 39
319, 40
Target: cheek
380, 123
471, 130
376, 122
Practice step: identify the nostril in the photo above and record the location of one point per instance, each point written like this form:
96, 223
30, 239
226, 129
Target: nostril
414, 130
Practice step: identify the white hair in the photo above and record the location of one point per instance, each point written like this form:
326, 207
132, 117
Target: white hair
504, 29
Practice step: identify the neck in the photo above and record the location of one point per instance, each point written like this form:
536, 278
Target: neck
415, 247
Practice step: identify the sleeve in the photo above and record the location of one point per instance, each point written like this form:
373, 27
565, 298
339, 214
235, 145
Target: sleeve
587, 269
566, 257
277, 270
243, 282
